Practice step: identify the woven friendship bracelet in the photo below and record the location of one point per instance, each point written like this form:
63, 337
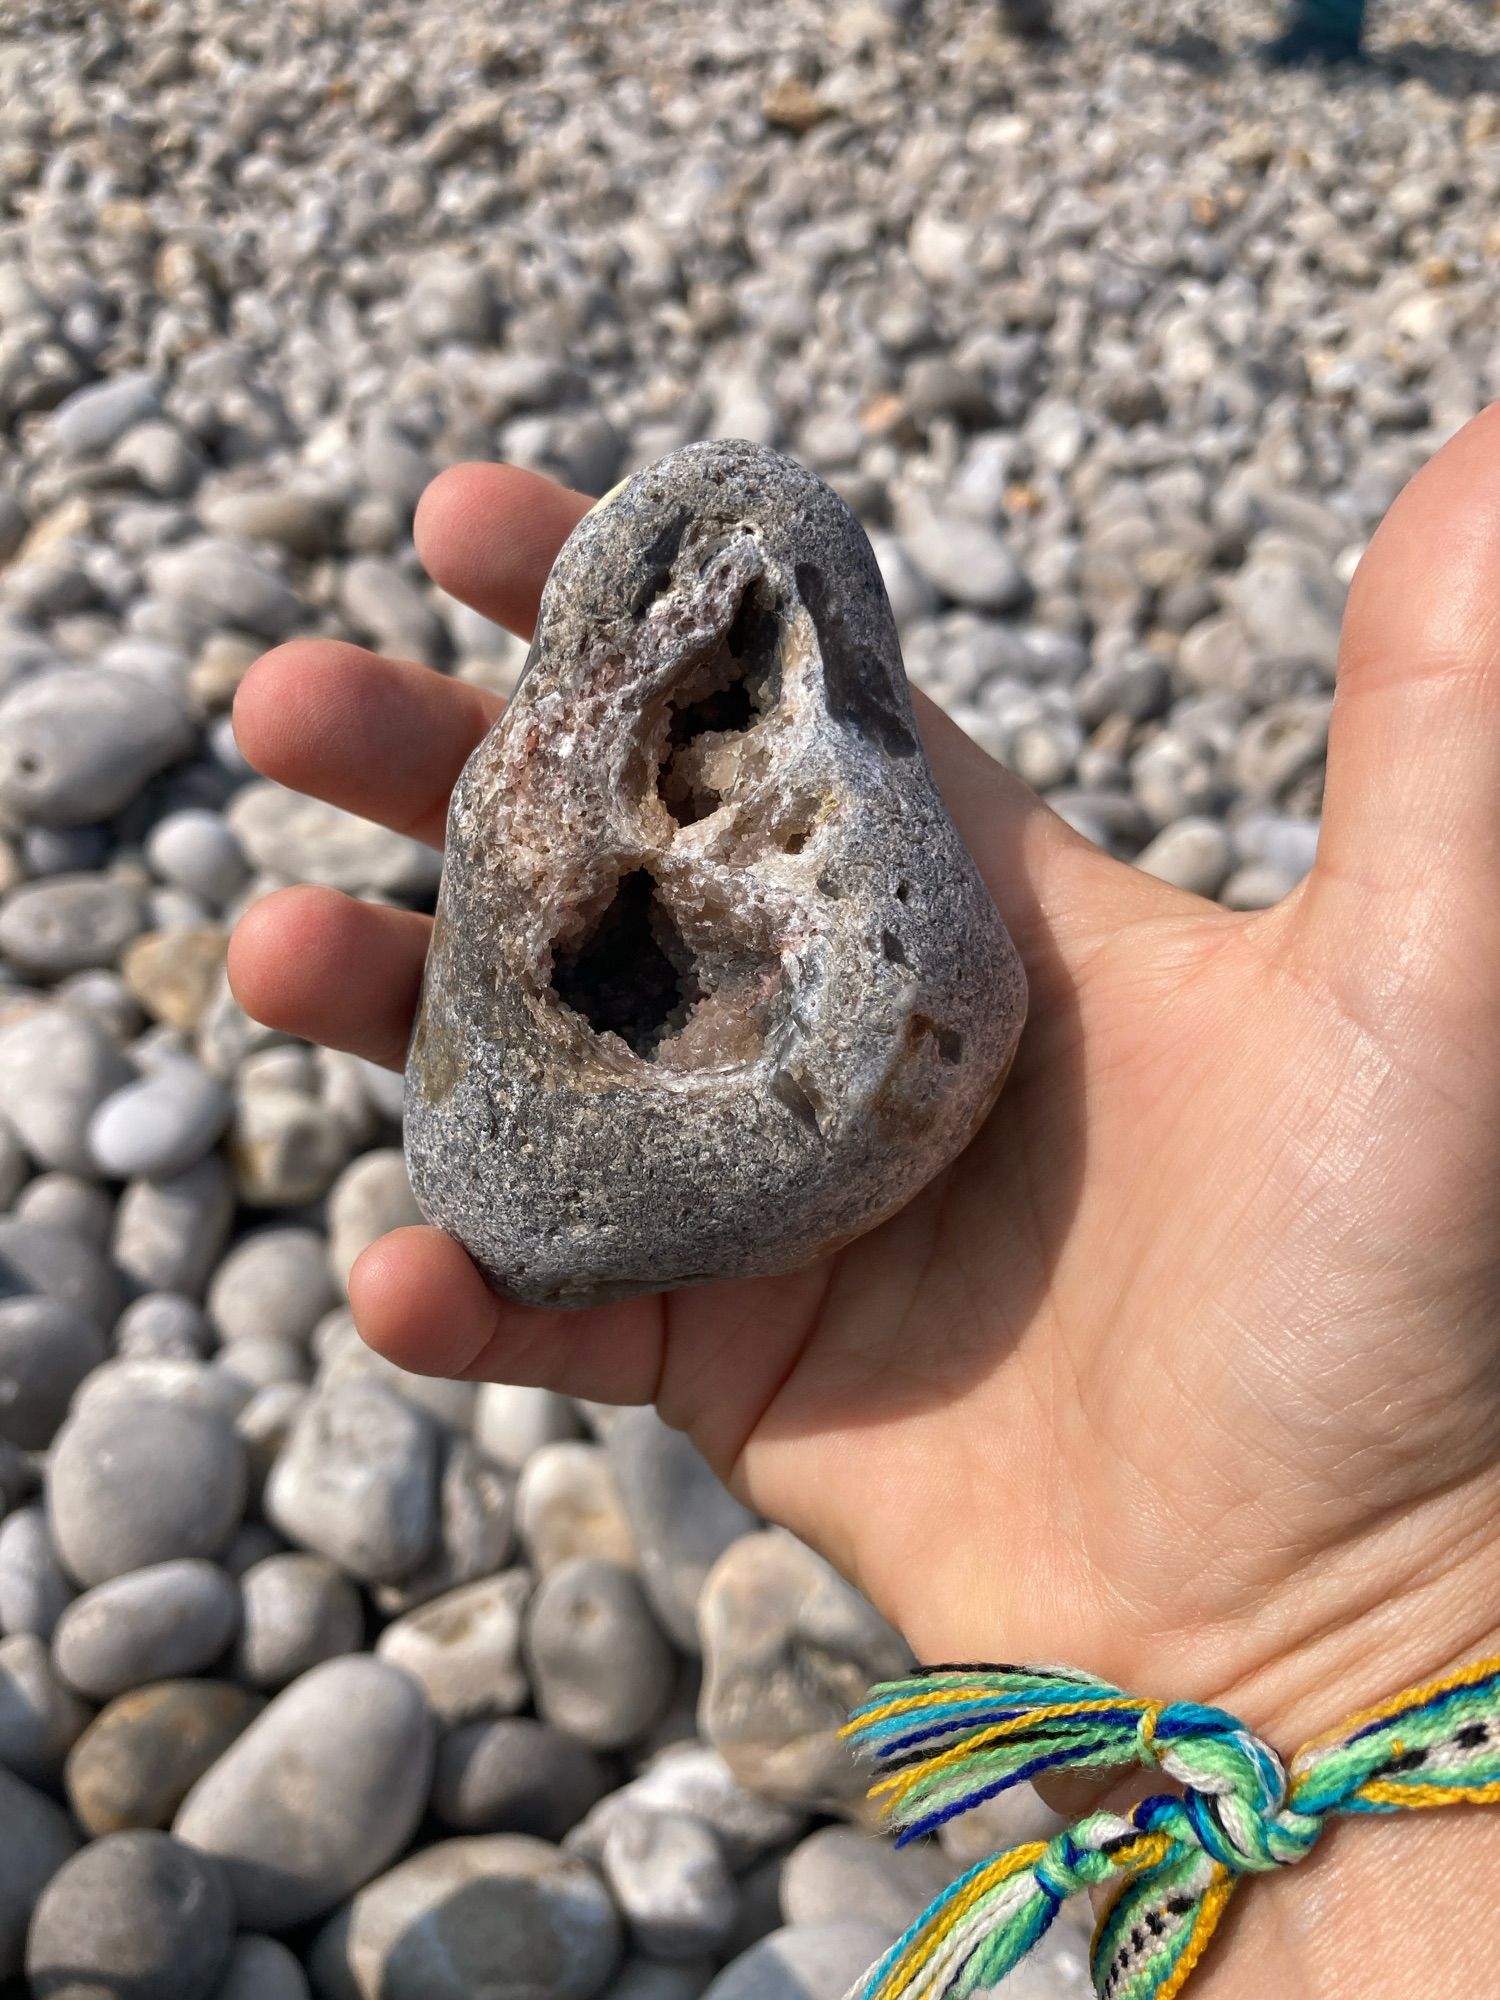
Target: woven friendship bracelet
951, 1737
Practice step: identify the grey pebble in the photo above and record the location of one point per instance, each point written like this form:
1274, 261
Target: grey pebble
59, 1264
220, 581
135, 1916
511, 1421
501, 1913
87, 423
319, 1794
78, 744
568, 1504
166, 1619
668, 1875
57, 1066
262, 1968
164, 1326
34, 1591
357, 1481
805, 1962
46, 1349
305, 840
275, 1282
600, 1664
296, 1611
513, 1774
194, 850
371, 1196
36, 1838
1190, 853
161, 1125
169, 1230
40, 1719
839, 1872
682, 1515
169, 1482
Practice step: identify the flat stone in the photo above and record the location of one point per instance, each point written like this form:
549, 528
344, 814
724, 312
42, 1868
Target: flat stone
140, 1756
296, 1610
77, 744
135, 1914
169, 1618
715, 985
128, 1487
320, 1793
275, 1282
161, 1125
788, 1650
504, 1915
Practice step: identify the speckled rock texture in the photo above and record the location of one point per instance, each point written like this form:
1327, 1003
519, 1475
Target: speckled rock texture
714, 984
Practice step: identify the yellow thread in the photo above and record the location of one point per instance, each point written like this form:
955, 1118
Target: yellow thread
1204, 1926
902, 1782
1481, 1670
923, 1947
1147, 1726
1382, 1792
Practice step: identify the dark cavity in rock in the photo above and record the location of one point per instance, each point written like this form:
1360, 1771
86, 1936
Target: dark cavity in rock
632, 975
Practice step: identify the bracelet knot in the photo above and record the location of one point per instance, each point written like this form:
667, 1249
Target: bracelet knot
951, 1737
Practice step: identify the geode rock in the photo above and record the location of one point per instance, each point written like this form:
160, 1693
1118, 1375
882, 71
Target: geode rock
714, 984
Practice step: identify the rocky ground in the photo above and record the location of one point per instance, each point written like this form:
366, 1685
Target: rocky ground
1120, 348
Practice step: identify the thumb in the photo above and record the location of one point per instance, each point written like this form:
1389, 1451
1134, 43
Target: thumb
1410, 841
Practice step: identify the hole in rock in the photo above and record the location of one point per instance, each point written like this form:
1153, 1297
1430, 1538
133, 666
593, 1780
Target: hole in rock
903, 892
632, 975
722, 698
890, 946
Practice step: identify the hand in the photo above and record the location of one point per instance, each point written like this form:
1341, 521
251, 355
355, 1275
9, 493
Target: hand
1187, 1371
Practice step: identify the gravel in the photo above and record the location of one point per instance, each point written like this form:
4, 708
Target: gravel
1120, 348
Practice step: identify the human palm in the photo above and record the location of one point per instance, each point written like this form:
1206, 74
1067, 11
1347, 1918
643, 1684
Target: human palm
1186, 1370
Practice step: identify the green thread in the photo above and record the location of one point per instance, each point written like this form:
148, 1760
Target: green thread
951, 1737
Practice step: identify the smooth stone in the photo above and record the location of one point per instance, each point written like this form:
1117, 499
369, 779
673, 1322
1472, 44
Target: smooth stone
642, 1977
161, 1125
512, 1421
145, 1485
58, 1264
502, 1914
36, 1839
141, 1755
601, 1666
46, 1350
275, 1282
357, 1481
296, 1610
167, 1619
286, 1148
34, 1592
68, 1205
57, 1066
77, 744
568, 1504
306, 840
839, 1872
514, 1774
65, 850
90, 420
371, 1196
68, 923
220, 581
175, 974
789, 1649
967, 561
40, 1719
464, 1648
320, 1793
824, 1004
169, 1230
805, 1962
195, 1385
162, 1326
682, 1515
135, 1916
668, 1876
262, 1968
253, 1542
1191, 853
194, 850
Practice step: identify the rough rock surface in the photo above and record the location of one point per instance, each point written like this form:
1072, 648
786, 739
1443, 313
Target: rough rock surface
714, 984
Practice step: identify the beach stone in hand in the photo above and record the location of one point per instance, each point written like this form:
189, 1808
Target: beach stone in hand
714, 984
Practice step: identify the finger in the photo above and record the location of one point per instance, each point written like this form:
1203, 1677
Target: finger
378, 737
419, 1300
487, 534
323, 966
1410, 808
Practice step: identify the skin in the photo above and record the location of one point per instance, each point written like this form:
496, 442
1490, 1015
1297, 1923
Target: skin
1186, 1372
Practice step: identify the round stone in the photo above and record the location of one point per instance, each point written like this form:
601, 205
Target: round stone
137, 1760
369, 1197
80, 742
195, 850
602, 1669
46, 1349
63, 1265
511, 1421
297, 1610
39, 1718
57, 1066
357, 1481
162, 1326
506, 1915
668, 1875
839, 1872
36, 1838
276, 1283
34, 1592
139, 1484
135, 1916
682, 1516
67, 923
568, 1504
515, 1775
167, 1619
319, 1794
262, 1968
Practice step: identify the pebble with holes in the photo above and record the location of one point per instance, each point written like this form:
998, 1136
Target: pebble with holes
714, 985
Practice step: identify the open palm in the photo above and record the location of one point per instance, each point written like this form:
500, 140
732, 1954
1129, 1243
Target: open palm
1187, 1369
